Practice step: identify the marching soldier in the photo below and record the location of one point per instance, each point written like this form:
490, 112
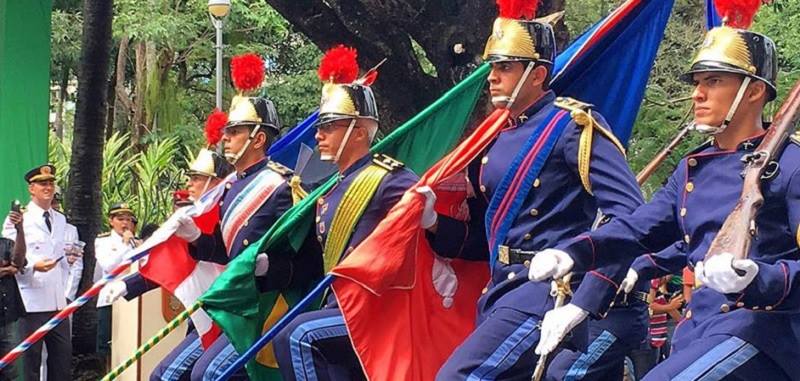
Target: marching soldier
740, 323
252, 202
561, 193
316, 345
43, 279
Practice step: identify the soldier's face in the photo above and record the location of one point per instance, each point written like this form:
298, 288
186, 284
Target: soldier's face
713, 96
329, 137
504, 77
42, 190
121, 222
234, 138
196, 184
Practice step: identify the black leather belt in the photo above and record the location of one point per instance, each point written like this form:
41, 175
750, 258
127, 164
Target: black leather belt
624, 300
509, 256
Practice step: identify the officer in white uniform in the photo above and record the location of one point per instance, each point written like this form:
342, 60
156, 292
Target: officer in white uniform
110, 250
44, 278
74, 247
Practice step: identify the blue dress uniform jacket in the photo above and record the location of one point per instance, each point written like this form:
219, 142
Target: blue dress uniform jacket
315, 345
692, 207
389, 192
557, 209
212, 247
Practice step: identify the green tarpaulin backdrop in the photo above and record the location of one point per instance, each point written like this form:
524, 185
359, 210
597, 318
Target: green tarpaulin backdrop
24, 93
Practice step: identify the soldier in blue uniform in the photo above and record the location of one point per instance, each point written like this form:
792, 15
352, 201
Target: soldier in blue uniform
574, 182
258, 196
315, 346
742, 322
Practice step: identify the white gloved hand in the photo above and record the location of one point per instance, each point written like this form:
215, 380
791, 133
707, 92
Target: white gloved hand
630, 280
548, 264
112, 291
556, 324
186, 229
445, 281
719, 273
262, 264
429, 215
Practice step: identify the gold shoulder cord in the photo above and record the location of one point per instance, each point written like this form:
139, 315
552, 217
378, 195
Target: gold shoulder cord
581, 113
298, 193
354, 202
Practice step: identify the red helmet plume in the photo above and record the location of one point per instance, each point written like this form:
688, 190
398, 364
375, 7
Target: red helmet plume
737, 13
247, 71
518, 9
339, 65
214, 124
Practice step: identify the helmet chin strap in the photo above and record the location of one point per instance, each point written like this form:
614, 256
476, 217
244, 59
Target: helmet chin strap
509, 101
713, 130
233, 158
205, 186
350, 127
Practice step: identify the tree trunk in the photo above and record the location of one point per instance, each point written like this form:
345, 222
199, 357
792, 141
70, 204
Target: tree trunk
387, 29
140, 77
63, 82
122, 101
83, 196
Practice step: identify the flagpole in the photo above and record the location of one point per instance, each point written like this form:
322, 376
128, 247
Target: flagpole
171, 326
67, 311
287, 318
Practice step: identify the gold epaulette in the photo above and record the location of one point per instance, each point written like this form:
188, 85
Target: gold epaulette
581, 114
279, 168
795, 138
386, 162
104, 235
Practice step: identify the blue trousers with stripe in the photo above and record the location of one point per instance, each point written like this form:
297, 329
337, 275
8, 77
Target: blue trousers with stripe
177, 366
218, 357
316, 346
610, 340
500, 348
715, 358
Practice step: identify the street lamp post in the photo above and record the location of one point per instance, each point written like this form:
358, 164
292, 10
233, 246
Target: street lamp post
218, 10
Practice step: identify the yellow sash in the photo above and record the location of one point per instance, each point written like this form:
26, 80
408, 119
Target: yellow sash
354, 202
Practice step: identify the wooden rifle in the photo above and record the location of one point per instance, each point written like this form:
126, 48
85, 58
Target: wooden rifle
739, 228
651, 167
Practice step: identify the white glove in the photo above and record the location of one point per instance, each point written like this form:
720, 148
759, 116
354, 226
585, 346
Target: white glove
556, 324
429, 215
187, 229
629, 281
112, 291
549, 263
262, 264
719, 273
445, 281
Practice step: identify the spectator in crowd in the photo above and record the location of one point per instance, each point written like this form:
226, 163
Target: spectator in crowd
12, 260
44, 277
111, 249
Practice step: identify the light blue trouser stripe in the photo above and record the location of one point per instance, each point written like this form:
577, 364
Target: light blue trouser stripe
302, 338
220, 363
507, 354
713, 358
183, 362
596, 349
727, 366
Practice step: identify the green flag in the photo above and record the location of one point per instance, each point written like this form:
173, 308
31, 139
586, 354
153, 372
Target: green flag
234, 302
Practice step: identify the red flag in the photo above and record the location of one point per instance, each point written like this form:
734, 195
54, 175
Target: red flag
401, 326
170, 266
